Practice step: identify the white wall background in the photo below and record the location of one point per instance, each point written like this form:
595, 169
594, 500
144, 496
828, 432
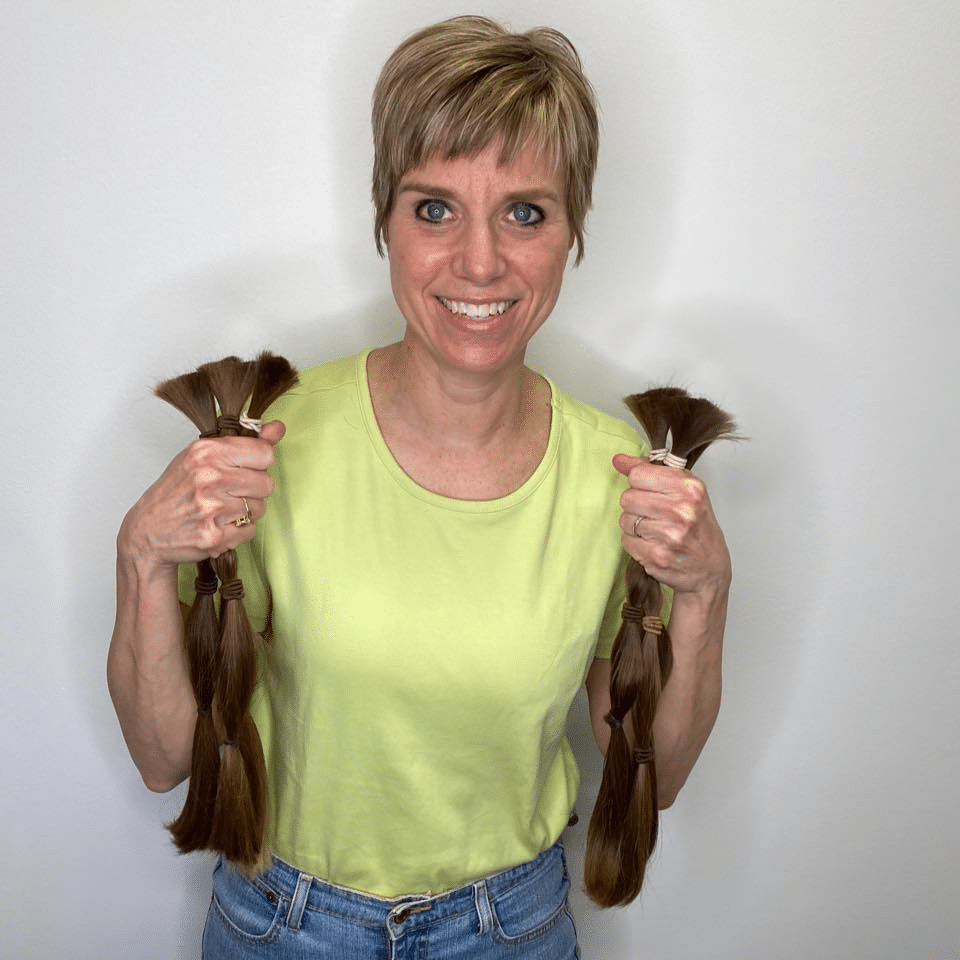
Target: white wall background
777, 224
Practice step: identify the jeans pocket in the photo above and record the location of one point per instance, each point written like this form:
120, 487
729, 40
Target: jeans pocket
531, 908
248, 909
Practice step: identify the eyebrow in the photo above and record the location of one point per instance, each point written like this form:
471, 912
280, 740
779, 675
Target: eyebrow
442, 193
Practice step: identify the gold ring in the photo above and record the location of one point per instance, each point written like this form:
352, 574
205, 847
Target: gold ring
246, 519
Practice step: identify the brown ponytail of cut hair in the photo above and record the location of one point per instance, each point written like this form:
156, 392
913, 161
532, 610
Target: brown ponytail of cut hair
625, 822
226, 805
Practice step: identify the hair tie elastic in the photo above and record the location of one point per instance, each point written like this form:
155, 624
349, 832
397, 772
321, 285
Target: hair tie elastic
631, 614
658, 455
613, 721
227, 421
232, 589
249, 423
205, 588
672, 460
652, 625
641, 756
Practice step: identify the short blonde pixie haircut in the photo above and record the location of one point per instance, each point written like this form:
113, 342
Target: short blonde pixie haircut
450, 89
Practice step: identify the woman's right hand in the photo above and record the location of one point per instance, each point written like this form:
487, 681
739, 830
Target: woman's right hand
190, 512
187, 515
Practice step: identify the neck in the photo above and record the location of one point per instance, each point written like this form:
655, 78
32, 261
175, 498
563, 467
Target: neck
453, 406
469, 437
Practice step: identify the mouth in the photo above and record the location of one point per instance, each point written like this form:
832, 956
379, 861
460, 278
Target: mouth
477, 311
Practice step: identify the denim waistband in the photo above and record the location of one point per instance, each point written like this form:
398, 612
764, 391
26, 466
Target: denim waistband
306, 892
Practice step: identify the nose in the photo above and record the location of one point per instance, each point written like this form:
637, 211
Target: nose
479, 256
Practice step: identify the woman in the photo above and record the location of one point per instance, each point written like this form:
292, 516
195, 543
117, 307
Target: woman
438, 566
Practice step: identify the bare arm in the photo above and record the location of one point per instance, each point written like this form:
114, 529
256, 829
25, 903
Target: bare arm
690, 700
147, 672
681, 545
185, 516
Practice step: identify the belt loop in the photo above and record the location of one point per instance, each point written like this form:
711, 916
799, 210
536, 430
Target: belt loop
299, 902
481, 898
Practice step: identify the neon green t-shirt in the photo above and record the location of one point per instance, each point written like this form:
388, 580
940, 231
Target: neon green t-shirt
425, 651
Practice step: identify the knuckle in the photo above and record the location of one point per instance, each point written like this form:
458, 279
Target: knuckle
209, 539
269, 453
670, 537
254, 451
203, 483
660, 557
695, 490
201, 452
201, 474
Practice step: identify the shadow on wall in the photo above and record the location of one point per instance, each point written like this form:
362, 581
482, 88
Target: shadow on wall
759, 367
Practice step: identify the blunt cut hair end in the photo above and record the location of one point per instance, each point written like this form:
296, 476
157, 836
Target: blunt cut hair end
453, 88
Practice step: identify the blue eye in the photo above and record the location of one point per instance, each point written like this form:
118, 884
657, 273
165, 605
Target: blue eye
432, 210
526, 214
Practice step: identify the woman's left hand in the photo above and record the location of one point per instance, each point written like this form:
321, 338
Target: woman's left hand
676, 538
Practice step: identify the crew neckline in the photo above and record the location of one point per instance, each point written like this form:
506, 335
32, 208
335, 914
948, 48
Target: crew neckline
404, 480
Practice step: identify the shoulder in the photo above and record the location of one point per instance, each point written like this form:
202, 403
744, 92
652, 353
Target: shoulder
587, 426
324, 377
318, 387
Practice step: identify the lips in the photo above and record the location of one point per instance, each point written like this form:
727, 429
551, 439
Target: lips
477, 311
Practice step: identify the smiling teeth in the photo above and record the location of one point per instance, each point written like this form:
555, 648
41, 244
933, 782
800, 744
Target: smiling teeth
474, 310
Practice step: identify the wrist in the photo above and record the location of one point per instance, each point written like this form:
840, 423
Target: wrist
709, 595
697, 621
136, 557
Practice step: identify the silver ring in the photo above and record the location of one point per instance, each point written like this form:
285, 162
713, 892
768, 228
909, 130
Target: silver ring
246, 519
635, 522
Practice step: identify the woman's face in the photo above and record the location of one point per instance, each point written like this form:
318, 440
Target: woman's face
477, 253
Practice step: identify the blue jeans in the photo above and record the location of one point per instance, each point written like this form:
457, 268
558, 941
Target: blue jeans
284, 914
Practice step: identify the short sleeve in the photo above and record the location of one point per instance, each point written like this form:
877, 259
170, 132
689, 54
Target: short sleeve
610, 625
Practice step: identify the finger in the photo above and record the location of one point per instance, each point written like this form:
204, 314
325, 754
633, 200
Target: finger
634, 524
273, 431
643, 502
238, 483
253, 483
238, 513
624, 463
644, 475
221, 489
213, 462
